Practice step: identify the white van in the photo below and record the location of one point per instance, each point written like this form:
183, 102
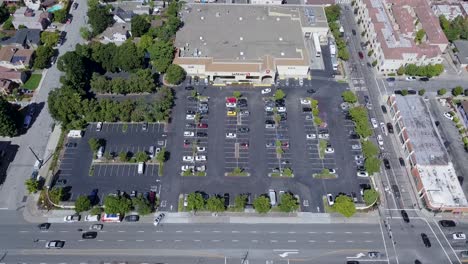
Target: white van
272, 195
37, 165
151, 152
100, 152
141, 167
92, 218
75, 134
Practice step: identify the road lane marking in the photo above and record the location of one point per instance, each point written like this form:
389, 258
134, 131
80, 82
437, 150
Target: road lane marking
235, 240
215, 240
100, 240
331, 241
178, 231
253, 232
311, 241
197, 240
368, 241
273, 241
121, 231
177, 240
254, 241
349, 241
140, 231
216, 231
312, 232
272, 232
291, 232
329, 232
291, 241
139, 240
120, 240
235, 231
81, 240
23, 231
348, 232
159, 240
64, 231
366, 232
197, 231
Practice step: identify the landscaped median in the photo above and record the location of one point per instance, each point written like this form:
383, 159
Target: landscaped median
325, 174
322, 146
283, 173
237, 172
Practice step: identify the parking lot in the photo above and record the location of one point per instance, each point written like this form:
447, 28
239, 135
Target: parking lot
81, 176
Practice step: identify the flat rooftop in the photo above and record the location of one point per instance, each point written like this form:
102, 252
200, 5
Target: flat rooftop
428, 147
243, 32
442, 186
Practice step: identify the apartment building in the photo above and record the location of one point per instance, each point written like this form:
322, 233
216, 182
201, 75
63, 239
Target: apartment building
390, 27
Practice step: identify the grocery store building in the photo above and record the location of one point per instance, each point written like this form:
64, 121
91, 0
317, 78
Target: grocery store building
247, 44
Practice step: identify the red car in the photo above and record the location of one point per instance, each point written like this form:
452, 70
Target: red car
285, 144
202, 125
244, 145
186, 143
361, 56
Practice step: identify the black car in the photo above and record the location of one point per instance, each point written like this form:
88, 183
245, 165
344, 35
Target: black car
192, 99
353, 136
242, 102
397, 92
426, 240
391, 79
132, 218
390, 128
306, 109
352, 262
75, 6
402, 161
243, 129
386, 164
404, 214
354, 32
89, 235
226, 200
190, 112
61, 182
412, 92
189, 88
71, 145
447, 223
44, 226
269, 122
311, 91
424, 79
202, 134
396, 191
384, 109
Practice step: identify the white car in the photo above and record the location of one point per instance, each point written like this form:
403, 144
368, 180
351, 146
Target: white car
459, 236
231, 135
185, 200
281, 109
55, 244
187, 168
301, 81
410, 78
380, 140
305, 101
72, 218
271, 126
189, 134
323, 136
332, 171
244, 113
201, 168
187, 158
266, 91
99, 126
448, 115
190, 117
356, 146
200, 158
201, 149
374, 122
362, 174
329, 150
92, 218
358, 157
330, 199
158, 219
231, 105
384, 130
268, 109
311, 136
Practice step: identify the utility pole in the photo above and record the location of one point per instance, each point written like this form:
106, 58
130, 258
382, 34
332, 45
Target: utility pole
37, 158
244, 259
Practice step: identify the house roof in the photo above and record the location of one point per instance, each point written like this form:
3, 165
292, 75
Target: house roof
123, 14
117, 28
24, 35
6, 53
462, 47
9, 74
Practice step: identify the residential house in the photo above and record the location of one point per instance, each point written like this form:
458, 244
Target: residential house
13, 75
136, 7
463, 110
13, 58
24, 38
6, 86
462, 52
33, 4
31, 19
117, 34
122, 16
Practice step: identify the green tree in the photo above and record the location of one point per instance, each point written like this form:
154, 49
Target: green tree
56, 195
369, 149
195, 201
141, 156
442, 91
343, 54
96, 210
359, 116
457, 91
99, 18
4, 14
8, 117
370, 52
240, 201
161, 157
104, 55
372, 165
332, 12
142, 205
288, 203
279, 94
128, 57
404, 92
349, 97
94, 144
31, 185
374, 63
117, 205
8, 25
215, 204
85, 33
145, 42
123, 156
43, 55
161, 55
370, 196
262, 204
175, 74
49, 38
237, 94
401, 70
82, 204
140, 25
344, 205
66, 106
421, 92
419, 36
75, 68
60, 16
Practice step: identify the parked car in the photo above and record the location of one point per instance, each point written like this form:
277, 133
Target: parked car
266, 91
72, 218
362, 174
390, 128
459, 236
391, 79
158, 219
384, 109
330, 199
448, 115
402, 161
311, 91
132, 218
231, 135
411, 78
361, 55
311, 136
98, 126
189, 88
374, 122
329, 150
424, 79
447, 223
75, 6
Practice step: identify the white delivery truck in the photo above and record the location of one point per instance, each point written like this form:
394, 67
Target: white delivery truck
272, 195
141, 167
75, 134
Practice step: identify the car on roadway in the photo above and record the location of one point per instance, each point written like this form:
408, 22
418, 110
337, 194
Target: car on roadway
96, 227
44, 226
447, 223
380, 140
305, 101
374, 122
426, 240
330, 199
311, 136
386, 164
132, 218
266, 91
329, 150
71, 218
390, 128
189, 88
301, 81
361, 55
402, 161
231, 135
189, 134
89, 235
55, 244
362, 174
311, 91
448, 115
384, 109
354, 32
424, 79
373, 254
231, 113
410, 78
158, 219
404, 215
75, 5
187, 158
